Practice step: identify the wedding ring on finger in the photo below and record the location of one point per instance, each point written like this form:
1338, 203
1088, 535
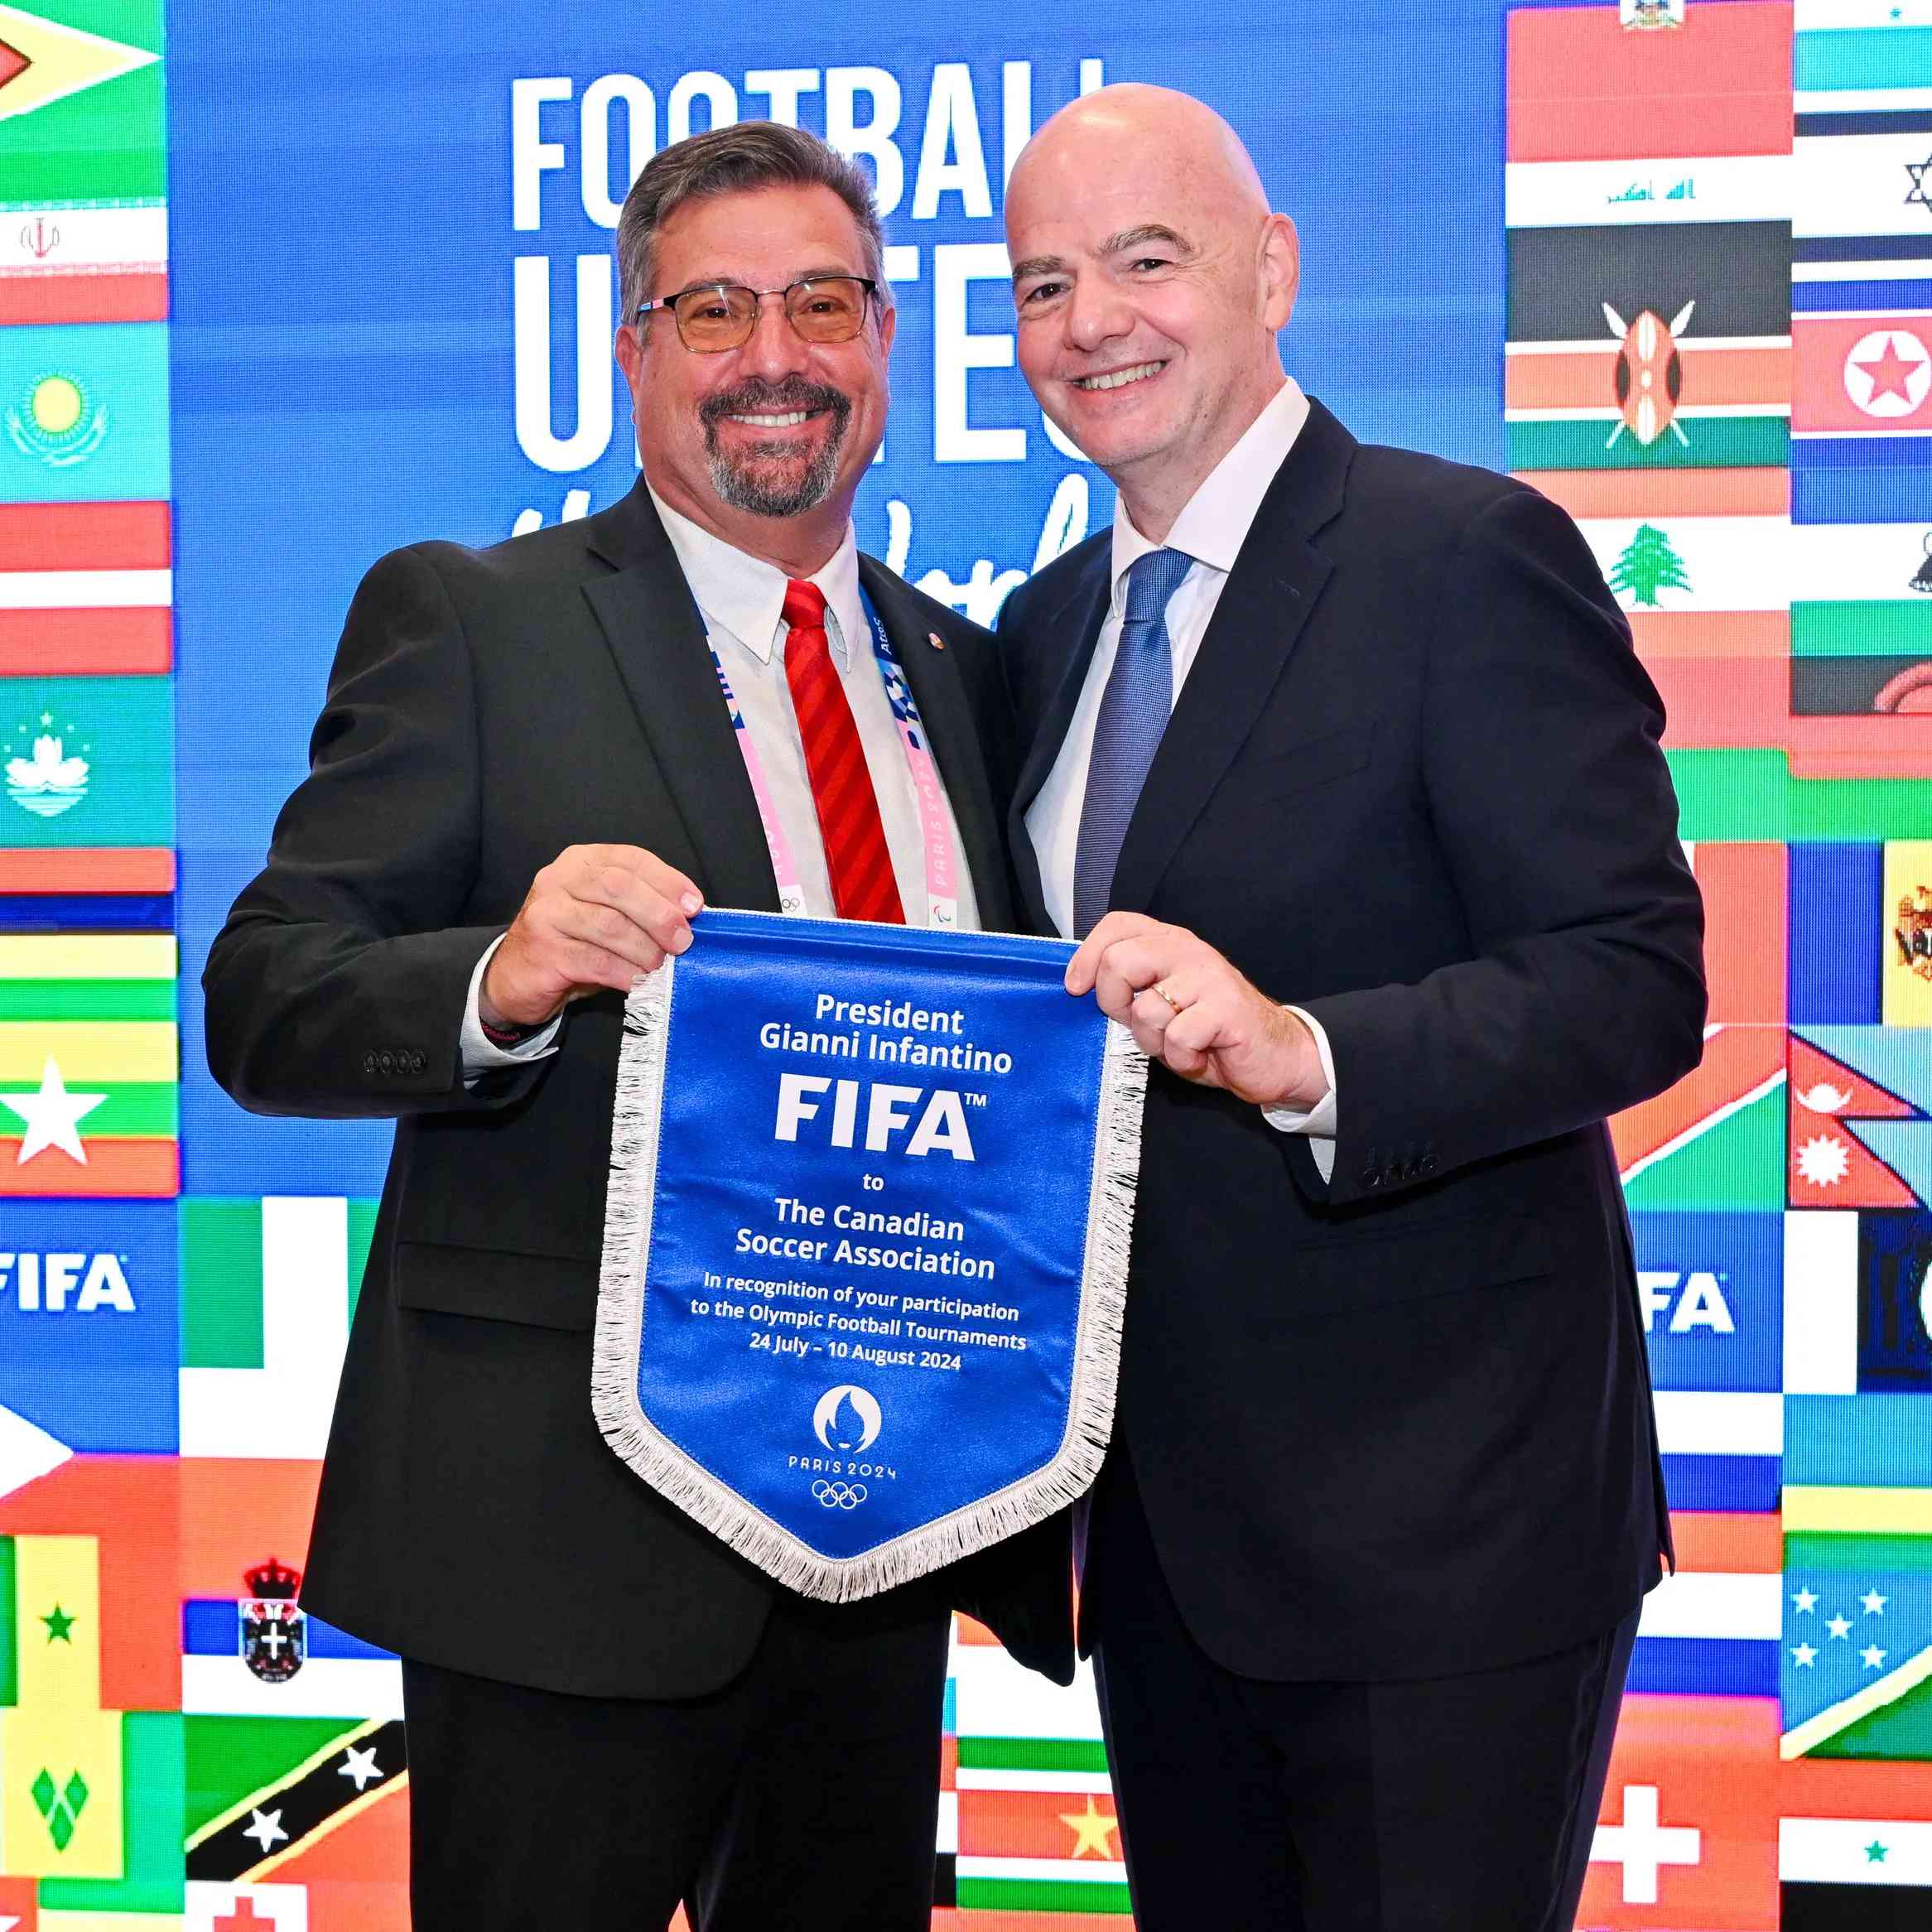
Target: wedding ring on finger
1160, 986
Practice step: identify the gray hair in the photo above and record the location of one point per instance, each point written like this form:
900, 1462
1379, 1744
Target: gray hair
730, 161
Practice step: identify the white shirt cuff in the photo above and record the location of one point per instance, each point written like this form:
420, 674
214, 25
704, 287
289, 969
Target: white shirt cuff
481, 1054
1318, 1122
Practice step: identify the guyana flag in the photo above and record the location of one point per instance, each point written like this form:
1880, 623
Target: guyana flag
82, 116
89, 1064
90, 1797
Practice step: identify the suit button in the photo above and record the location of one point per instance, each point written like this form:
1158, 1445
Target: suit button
1427, 1163
368, 1062
386, 1062
418, 1061
1373, 1178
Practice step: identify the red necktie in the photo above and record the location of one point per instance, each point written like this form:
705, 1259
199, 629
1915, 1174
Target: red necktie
855, 854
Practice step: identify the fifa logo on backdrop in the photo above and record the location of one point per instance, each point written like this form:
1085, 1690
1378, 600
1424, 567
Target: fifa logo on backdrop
81, 1284
1691, 1300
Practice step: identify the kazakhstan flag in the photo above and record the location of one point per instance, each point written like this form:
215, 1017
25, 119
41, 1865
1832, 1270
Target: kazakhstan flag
83, 414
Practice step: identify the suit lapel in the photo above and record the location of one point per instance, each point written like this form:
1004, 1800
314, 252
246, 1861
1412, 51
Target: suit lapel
651, 624
953, 733
1079, 618
1263, 607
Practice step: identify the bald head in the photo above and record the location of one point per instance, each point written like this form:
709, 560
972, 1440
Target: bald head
1150, 280
1094, 131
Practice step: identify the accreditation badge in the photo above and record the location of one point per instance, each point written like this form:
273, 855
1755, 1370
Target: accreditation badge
866, 1254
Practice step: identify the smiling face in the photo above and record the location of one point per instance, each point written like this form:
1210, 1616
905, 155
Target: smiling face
1150, 279
779, 431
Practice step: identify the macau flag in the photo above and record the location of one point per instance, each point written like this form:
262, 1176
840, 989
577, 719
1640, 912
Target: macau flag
89, 1063
86, 763
82, 116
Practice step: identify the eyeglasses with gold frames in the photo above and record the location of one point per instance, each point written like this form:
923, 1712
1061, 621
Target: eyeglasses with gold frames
721, 314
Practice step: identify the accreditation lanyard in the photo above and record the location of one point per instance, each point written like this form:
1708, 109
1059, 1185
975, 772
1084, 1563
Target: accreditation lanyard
936, 834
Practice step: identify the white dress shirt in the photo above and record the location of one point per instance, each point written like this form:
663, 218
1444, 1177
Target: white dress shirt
741, 600
1211, 529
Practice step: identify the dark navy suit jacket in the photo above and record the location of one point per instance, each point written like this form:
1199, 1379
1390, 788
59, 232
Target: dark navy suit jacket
1398, 1424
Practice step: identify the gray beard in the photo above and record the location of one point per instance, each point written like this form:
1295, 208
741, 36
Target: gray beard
746, 483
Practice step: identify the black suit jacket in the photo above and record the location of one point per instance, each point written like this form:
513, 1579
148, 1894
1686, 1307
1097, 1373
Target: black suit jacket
487, 709
1398, 1424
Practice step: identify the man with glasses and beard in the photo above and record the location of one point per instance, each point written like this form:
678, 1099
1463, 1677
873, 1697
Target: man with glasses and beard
536, 764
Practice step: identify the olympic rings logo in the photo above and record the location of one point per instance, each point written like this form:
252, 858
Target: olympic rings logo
839, 1496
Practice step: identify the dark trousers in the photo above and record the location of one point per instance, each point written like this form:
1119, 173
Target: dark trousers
1452, 1804
804, 1794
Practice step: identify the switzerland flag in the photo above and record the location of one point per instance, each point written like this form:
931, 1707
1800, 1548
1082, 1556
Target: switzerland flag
1687, 1839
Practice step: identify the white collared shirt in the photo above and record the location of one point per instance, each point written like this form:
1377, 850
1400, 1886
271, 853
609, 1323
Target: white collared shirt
741, 600
1212, 526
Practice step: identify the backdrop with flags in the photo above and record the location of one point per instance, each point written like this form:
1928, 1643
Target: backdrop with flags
275, 297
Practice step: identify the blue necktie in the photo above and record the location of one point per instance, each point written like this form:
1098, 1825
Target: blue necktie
1133, 714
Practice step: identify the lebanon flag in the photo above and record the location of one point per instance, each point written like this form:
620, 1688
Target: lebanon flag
1687, 1837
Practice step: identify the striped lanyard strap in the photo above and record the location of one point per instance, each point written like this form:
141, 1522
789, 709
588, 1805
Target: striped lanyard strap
935, 831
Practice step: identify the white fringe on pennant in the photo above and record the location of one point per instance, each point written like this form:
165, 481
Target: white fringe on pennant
712, 1502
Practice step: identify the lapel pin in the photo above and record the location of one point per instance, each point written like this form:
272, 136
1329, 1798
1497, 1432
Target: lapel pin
935, 640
